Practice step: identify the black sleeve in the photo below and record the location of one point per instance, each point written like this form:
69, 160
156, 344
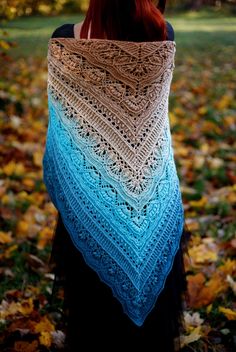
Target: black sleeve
64, 31
170, 32
67, 31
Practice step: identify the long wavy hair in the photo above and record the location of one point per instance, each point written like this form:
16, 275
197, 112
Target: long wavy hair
133, 20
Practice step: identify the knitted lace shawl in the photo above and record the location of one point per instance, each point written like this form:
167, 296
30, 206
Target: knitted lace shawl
108, 164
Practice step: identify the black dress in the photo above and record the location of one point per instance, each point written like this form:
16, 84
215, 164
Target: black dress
93, 317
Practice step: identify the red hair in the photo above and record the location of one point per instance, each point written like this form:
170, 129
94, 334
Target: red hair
134, 20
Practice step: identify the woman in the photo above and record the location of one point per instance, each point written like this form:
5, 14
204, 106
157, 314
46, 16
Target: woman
110, 172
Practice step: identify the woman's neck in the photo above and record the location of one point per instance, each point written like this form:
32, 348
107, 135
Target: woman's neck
77, 30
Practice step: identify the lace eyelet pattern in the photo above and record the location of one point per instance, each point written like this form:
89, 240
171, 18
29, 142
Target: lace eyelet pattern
109, 164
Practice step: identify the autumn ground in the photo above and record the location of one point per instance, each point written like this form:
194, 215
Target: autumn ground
203, 122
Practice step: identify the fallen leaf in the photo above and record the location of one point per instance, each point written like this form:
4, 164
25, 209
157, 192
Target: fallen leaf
24, 307
192, 320
44, 325
22, 229
45, 338
224, 102
192, 224
203, 292
229, 313
232, 283
38, 157
199, 203
206, 252
58, 338
24, 346
6, 237
45, 237
13, 168
193, 336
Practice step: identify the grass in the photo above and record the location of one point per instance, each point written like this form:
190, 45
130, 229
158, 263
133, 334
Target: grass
32, 33
196, 31
193, 30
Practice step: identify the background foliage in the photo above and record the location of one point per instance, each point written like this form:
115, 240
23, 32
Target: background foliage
13, 8
203, 124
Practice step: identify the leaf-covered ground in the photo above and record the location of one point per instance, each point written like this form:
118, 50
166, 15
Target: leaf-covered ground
203, 123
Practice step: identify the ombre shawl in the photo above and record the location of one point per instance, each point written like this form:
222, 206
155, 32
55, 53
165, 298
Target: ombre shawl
109, 165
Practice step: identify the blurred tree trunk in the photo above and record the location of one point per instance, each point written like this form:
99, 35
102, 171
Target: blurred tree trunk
197, 4
34, 5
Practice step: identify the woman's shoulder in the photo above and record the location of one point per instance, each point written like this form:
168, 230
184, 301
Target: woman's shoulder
64, 31
170, 31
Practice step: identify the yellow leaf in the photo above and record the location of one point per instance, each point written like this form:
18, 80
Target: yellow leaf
20, 169
228, 268
199, 203
7, 253
198, 161
5, 237
22, 228
45, 339
231, 198
193, 224
38, 157
184, 152
44, 237
224, 102
28, 182
202, 110
36, 198
9, 168
194, 336
192, 320
204, 253
230, 121
22, 195
44, 325
5, 199
26, 307
229, 313
37, 124
173, 119
4, 45
209, 308
14, 168
7, 309
205, 148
